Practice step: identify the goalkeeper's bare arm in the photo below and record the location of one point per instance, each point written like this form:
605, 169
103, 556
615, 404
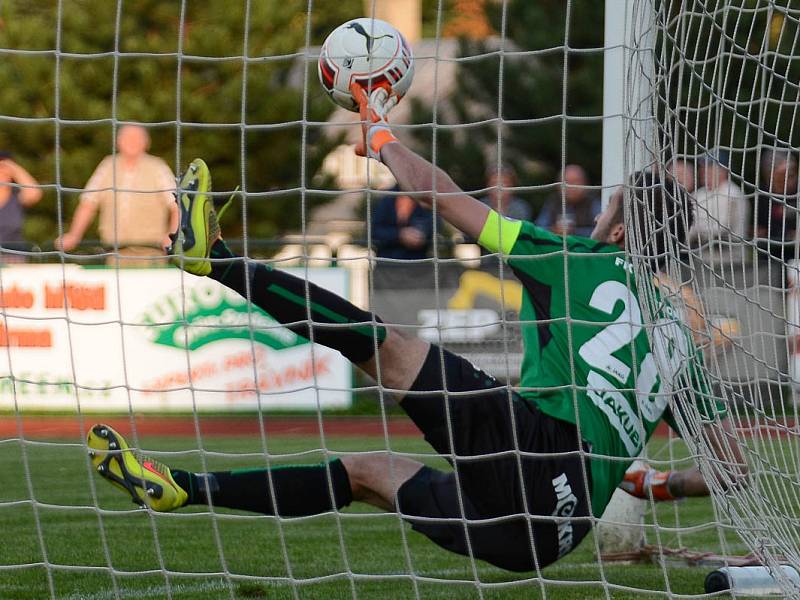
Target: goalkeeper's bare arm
727, 467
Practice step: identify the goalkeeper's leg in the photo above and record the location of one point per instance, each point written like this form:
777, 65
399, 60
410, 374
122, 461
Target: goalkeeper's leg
288, 491
430, 500
303, 307
303, 490
426, 497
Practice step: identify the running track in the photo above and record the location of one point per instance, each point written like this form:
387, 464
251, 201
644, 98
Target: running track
61, 427
55, 427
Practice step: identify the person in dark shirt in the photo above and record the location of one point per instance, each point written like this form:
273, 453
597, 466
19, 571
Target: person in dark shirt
18, 191
574, 212
401, 228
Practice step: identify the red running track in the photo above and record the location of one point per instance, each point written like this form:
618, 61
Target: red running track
149, 425
43, 427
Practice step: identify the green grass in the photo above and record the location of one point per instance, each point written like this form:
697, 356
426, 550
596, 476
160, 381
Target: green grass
189, 552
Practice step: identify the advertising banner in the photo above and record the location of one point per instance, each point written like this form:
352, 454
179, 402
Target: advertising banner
472, 312
155, 340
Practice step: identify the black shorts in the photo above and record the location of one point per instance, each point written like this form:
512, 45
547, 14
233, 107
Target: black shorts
534, 509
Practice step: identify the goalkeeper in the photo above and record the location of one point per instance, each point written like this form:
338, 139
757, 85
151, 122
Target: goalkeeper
532, 468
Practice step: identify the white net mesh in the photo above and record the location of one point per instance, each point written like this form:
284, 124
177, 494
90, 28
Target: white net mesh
711, 84
723, 93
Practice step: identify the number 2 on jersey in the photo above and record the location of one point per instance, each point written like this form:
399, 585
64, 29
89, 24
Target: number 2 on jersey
598, 351
669, 345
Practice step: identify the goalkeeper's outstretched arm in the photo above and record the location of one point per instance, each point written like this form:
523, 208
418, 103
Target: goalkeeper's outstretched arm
433, 188
728, 465
728, 469
428, 185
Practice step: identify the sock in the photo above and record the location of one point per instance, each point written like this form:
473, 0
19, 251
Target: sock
336, 322
299, 490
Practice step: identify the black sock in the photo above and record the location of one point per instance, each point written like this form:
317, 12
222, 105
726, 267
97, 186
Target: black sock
336, 322
299, 490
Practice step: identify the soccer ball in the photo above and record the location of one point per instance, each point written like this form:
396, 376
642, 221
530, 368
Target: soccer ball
370, 52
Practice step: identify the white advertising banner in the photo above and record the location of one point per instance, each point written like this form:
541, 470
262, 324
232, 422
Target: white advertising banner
155, 340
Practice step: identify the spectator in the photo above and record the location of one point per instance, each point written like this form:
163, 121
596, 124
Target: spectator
776, 204
571, 212
720, 204
501, 197
133, 191
401, 228
682, 171
18, 191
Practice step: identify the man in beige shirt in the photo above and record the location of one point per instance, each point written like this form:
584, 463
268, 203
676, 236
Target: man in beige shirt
133, 191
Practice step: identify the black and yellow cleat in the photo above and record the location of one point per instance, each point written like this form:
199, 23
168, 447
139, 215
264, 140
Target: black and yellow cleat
199, 227
148, 482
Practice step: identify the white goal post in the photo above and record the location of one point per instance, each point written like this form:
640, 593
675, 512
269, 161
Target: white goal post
628, 29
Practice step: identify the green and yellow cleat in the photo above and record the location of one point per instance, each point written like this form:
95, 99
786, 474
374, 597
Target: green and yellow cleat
199, 227
148, 482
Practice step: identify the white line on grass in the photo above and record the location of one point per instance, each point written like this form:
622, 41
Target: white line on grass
152, 591
210, 586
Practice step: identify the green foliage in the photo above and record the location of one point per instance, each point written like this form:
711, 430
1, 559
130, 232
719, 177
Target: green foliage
60, 111
535, 139
737, 84
431, 16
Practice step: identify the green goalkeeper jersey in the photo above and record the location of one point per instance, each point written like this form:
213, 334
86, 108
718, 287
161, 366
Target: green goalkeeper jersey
587, 356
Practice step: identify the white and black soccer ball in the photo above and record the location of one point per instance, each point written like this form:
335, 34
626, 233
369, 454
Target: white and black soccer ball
367, 51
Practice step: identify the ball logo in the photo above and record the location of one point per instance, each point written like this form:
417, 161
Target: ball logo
370, 41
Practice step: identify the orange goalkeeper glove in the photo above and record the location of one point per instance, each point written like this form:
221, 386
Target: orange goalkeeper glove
373, 109
648, 483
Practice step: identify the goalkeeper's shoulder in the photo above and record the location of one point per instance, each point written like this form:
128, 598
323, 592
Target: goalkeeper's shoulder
525, 238
501, 233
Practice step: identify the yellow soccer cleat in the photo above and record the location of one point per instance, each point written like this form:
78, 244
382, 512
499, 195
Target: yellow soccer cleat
148, 482
199, 227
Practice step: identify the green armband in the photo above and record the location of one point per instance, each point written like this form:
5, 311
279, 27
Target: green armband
499, 233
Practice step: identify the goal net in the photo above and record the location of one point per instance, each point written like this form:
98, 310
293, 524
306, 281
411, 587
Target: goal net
700, 98
712, 99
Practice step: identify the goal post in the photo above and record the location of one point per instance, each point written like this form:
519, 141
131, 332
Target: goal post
616, 54
628, 117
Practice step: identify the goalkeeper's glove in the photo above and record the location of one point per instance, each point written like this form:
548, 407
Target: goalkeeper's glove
648, 483
373, 109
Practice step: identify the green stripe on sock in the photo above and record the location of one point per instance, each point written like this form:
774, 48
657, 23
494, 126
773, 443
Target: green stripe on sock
365, 330
264, 470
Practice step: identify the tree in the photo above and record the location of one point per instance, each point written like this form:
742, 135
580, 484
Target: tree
60, 110
535, 139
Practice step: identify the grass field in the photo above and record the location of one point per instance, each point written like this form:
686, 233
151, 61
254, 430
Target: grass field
192, 554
